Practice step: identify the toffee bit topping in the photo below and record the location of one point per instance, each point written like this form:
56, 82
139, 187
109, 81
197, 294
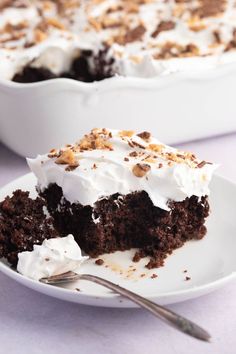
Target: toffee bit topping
98, 139
196, 24
155, 147
39, 35
66, 157
53, 153
146, 154
145, 136
126, 133
149, 159
55, 23
141, 169
174, 50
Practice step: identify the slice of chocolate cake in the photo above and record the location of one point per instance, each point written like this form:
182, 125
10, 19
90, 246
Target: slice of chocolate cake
117, 190
23, 224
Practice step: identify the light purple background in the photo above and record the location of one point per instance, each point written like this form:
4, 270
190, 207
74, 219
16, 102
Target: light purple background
34, 323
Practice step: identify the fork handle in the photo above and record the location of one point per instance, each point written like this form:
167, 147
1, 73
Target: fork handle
173, 319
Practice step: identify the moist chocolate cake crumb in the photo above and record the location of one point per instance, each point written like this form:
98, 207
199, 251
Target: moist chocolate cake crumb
80, 69
154, 276
99, 261
23, 224
30, 74
158, 260
138, 224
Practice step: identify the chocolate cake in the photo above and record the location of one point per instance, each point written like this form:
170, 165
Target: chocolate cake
117, 190
23, 224
79, 70
130, 221
93, 40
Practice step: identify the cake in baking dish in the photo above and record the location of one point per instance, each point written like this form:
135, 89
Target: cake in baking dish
117, 190
93, 40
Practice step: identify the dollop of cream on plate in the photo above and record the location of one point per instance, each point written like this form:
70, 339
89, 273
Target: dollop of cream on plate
54, 256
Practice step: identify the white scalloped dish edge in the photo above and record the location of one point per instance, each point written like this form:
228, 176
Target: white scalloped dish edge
177, 107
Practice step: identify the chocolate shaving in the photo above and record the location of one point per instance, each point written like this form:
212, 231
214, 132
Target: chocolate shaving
216, 35
138, 145
71, 167
163, 26
144, 135
210, 8
134, 35
133, 154
201, 164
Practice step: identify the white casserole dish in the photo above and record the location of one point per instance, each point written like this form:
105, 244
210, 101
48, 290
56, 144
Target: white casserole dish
178, 107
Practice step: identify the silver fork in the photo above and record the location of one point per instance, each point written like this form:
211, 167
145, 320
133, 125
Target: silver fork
180, 323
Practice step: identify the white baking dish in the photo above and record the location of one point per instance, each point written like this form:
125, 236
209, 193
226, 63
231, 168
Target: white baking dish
178, 107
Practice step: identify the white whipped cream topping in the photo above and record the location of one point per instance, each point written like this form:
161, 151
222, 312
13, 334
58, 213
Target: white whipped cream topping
102, 173
61, 46
54, 256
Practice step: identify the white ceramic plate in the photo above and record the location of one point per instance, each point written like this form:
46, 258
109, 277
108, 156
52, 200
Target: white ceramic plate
210, 263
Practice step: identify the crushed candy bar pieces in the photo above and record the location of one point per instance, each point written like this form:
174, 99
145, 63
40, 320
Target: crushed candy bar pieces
141, 151
140, 170
66, 157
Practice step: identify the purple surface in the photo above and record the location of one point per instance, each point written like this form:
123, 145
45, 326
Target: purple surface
34, 323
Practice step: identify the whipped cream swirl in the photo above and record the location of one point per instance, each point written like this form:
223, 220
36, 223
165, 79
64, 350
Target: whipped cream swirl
54, 256
111, 161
